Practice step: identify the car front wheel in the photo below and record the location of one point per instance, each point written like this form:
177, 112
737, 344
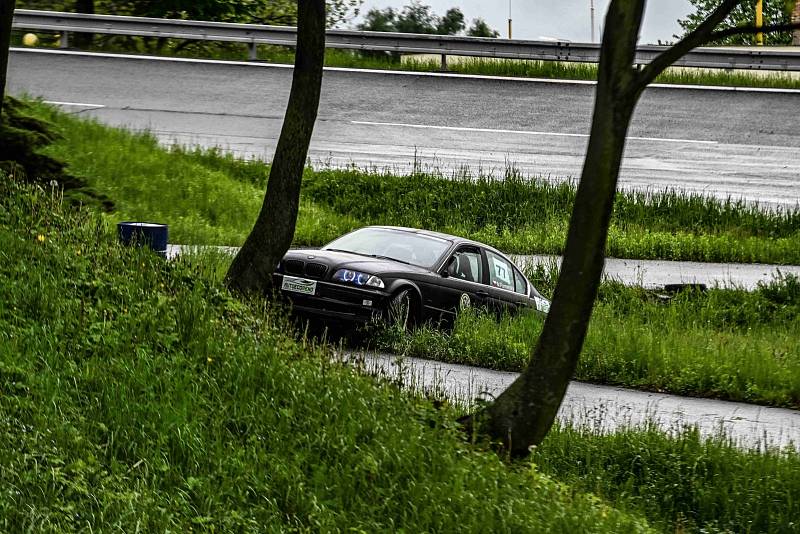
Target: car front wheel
400, 312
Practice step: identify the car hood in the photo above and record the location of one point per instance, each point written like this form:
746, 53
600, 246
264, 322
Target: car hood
335, 260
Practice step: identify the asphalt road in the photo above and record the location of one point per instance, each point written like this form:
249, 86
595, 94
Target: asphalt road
658, 273
721, 142
600, 408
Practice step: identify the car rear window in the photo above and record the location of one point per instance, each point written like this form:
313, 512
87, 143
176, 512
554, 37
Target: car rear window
519, 283
501, 274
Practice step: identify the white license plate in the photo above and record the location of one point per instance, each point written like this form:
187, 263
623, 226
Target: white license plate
299, 285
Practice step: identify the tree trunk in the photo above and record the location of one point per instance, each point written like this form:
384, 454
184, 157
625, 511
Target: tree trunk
523, 414
796, 20
84, 40
272, 234
6, 19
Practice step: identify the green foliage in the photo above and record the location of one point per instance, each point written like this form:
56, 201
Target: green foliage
480, 28
379, 20
280, 12
682, 482
522, 215
451, 23
744, 14
725, 343
138, 394
210, 198
23, 138
583, 71
417, 17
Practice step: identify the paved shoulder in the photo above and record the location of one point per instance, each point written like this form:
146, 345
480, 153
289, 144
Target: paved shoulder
602, 408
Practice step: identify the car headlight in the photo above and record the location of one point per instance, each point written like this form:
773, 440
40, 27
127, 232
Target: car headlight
357, 278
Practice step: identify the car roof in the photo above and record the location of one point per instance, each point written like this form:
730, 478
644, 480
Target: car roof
454, 238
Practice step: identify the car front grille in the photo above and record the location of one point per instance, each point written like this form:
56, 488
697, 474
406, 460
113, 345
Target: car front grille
316, 270
294, 267
301, 268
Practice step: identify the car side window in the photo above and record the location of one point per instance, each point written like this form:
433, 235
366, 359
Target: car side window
466, 264
501, 274
519, 283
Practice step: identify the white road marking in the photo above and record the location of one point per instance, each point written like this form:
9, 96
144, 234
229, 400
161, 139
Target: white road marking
76, 104
402, 72
523, 132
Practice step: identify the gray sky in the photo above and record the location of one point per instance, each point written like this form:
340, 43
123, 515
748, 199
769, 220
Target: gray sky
561, 19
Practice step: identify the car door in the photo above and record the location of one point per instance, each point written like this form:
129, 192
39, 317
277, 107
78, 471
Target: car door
461, 282
503, 278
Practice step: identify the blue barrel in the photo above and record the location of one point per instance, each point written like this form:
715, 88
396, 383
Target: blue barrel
152, 235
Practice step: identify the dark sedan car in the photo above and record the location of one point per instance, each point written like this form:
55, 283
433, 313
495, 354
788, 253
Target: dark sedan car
408, 275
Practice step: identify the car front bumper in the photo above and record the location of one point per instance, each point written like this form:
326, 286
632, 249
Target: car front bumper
336, 301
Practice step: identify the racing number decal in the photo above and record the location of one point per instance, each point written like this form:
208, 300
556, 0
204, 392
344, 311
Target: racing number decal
501, 273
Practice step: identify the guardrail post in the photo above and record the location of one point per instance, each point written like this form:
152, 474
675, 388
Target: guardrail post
253, 48
444, 63
759, 21
63, 41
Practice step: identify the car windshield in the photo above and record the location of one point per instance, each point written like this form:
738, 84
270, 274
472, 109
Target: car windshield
407, 247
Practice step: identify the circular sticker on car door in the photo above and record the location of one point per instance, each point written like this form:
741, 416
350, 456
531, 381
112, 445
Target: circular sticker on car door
464, 301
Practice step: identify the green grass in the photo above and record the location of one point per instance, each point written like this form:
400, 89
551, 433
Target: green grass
588, 71
211, 198
522, 215
728, 344
719, 345
137, 394
682, 483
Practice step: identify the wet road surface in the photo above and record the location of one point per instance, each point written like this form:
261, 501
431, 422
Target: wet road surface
601, 408
722, 142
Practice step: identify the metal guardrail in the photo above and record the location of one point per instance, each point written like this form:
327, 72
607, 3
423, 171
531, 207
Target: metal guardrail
444, 45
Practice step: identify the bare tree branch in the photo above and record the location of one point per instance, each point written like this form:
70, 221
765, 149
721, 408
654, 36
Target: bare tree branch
744, 30
699, 36
657, 66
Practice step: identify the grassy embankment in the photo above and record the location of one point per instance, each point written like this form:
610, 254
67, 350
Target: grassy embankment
209, 198
727, 344
476, 66
138, 394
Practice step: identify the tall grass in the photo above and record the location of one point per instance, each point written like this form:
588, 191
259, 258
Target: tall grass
519, 214
588, 71
729, 344
208, 197
139, 395
682, 483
